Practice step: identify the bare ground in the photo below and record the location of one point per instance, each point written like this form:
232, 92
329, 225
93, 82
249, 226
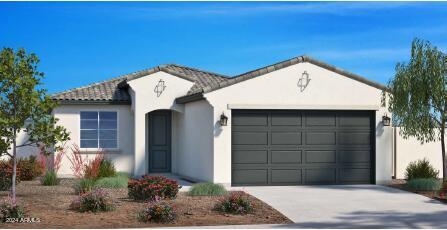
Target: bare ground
50, 204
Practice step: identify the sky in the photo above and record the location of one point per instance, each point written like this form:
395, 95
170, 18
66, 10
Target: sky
79, 43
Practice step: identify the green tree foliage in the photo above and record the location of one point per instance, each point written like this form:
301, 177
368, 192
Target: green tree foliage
25, 107
417, 95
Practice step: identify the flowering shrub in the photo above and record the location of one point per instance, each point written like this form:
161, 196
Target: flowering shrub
10, 209
236, 202
150, 187
76, 161
90, 169
97, 200
157, 211
6, 175
29, 168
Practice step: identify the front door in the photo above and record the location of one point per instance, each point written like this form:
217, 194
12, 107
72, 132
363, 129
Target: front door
159, 141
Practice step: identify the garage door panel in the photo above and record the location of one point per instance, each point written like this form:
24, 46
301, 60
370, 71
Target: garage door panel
286, 119
320, 138
279, 157
250, 157
303, 147
320, 119
320, 176
355, 175
250, 138
250, 119
250, 176
355, 121
355, 156
288, 176
345, 138
315, 156
286, 138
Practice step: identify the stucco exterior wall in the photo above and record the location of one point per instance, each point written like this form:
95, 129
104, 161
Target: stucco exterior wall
278, 90
408, 150
123, 158
145, 100
195, 141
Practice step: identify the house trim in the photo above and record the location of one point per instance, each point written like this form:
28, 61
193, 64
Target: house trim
304, 107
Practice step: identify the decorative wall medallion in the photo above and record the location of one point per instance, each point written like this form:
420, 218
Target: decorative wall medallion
160, 87
303, 81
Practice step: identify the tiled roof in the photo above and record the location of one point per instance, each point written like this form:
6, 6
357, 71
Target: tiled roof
114, 90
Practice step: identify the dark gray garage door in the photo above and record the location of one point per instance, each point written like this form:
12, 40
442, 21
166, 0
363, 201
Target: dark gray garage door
275, 147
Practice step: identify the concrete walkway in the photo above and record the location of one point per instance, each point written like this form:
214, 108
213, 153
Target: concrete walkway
350, 206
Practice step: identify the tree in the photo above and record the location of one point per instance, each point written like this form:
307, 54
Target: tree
417, 95
25, 107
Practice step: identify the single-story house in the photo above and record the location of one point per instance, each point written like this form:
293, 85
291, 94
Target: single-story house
299, 121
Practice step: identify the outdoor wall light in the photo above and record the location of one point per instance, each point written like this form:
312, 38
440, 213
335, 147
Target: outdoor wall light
386, 121
223, 120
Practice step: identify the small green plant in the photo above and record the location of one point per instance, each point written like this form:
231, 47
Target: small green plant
10, 209
118, 181
106, 169
420, 169
207, 189
50, 178
157, 211
150, 187
97, 200
84, 185
424, 184
236, 202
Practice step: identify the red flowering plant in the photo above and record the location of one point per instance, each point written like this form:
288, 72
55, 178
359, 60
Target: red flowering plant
236, 202
151, 187
76, 161
92, 168
82, 167
6, 175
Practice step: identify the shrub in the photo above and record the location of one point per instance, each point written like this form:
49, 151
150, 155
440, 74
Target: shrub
157, 211
149, 187
207, 189
6, 175
424, 184
91, 169
10, 209
97, 200
420, 169
236, 202
29, 168
50, 178
106, 169
84, 185
118, 181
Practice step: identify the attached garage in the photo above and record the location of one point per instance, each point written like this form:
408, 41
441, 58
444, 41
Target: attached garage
300, 147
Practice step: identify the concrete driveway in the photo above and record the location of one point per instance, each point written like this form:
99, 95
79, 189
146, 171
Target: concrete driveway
351, 206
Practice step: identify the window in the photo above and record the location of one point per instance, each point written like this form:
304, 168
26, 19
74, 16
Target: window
99, 130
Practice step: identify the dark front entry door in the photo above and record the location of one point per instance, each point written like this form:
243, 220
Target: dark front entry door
159, 141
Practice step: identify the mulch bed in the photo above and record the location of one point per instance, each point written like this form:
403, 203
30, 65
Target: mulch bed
400, 184
50, 204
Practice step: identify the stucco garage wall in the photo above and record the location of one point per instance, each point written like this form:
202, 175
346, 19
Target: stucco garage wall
408, 150
195, 137
69, 117
278, 90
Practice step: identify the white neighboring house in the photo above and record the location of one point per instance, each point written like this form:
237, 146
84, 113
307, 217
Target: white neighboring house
300, 121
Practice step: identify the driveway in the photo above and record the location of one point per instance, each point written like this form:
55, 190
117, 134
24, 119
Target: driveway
351, 206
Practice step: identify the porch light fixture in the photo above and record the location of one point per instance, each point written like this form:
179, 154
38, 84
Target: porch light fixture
386, 121
223, 120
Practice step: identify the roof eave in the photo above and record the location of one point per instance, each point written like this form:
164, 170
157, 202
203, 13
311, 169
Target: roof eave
91, 102
189, 98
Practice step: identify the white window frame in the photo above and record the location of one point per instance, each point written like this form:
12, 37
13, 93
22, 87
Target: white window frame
117, 130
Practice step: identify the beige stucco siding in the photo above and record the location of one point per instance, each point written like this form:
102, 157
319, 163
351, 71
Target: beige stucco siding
326, 90
69, 117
